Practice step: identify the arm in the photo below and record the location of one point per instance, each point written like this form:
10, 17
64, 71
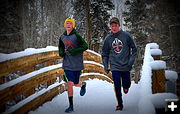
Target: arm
133, 52
83, 46
61, 48
105, 55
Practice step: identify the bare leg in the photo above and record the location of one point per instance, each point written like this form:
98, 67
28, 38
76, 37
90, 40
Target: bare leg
70, 88
78, 85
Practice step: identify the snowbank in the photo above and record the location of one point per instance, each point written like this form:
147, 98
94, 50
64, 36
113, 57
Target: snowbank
146, 73
171, 75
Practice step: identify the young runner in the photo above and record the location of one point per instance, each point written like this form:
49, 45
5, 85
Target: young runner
120, 51
71, 48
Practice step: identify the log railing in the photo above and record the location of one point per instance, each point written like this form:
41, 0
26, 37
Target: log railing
42, 70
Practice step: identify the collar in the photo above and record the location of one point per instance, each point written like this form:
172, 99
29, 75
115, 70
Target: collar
72, 32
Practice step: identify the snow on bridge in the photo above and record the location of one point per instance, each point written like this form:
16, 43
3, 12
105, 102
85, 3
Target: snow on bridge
99, 99
100, 96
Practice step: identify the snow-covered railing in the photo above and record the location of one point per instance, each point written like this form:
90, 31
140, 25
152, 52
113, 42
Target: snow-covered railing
39, 77
24, 62
149, 102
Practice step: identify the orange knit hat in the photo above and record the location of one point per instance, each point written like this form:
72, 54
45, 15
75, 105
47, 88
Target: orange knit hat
70, 20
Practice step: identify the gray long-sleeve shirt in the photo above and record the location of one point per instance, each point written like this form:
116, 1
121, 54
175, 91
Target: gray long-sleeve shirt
71, 48
119, 50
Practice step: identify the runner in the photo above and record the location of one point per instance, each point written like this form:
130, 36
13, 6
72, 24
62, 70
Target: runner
71, 48
120, 51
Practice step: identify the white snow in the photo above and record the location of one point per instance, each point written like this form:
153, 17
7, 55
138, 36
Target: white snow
146, 74
171, 75
145, 81
156, 52
93, 52
153, 45
26, 52
158, 99
92, 62
158, 64
146, 106
99, 99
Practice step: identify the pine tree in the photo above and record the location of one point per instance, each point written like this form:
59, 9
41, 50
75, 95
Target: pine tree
100, 19
135, 20
80, 16
92, 16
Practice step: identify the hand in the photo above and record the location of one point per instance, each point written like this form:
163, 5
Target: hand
130, 67
107, 70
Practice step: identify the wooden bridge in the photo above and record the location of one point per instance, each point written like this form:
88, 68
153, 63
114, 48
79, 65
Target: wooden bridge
38, 78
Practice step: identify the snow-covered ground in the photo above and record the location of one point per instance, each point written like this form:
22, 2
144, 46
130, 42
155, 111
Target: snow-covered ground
99, 99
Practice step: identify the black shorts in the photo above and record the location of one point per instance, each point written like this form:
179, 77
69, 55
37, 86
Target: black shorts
72, 76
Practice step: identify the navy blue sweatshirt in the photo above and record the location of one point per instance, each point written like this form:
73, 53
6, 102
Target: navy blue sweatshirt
119, 50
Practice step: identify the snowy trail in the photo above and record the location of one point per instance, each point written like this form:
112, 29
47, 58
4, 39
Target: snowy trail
99, 99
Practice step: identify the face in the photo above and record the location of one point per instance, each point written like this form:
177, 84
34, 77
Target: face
114, 27
69, 26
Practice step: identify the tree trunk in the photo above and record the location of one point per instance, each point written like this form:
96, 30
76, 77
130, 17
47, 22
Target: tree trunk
89, 27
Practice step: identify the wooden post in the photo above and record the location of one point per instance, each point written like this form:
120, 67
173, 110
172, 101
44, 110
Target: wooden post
158, 76
156, 57
158, 81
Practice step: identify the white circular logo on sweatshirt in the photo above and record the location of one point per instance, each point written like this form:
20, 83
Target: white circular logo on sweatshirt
117, 45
